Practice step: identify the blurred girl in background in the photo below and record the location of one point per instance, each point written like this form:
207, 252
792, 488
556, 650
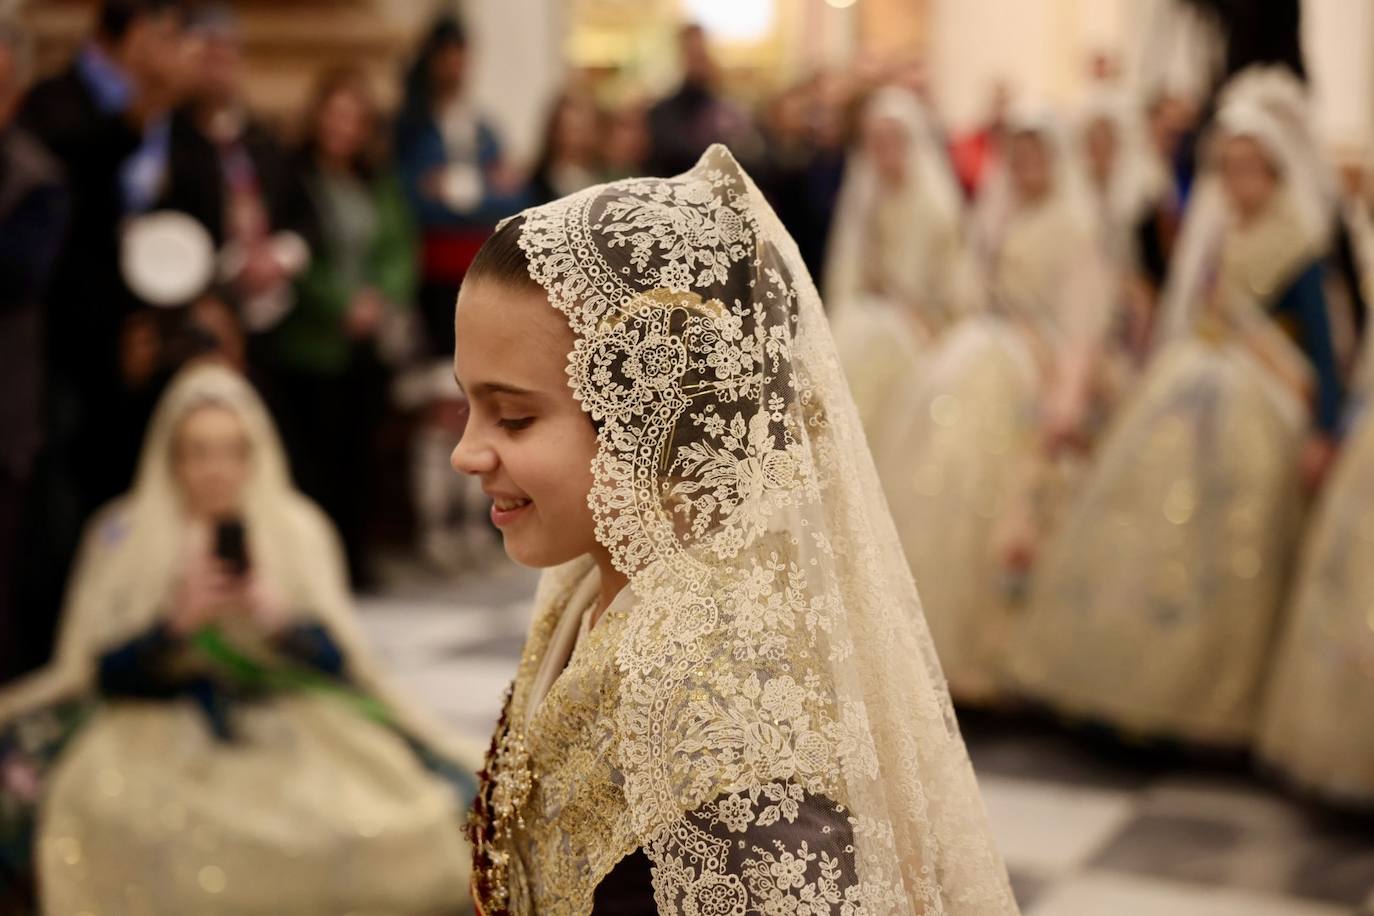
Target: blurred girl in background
213, 735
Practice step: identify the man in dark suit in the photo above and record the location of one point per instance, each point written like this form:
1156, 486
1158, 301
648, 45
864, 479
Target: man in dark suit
32, 212
104, 119
219, 149
685, 123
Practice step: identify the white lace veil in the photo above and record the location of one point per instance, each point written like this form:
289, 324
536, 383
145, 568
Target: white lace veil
1269, 105
928, 170
1068, 185
771, 726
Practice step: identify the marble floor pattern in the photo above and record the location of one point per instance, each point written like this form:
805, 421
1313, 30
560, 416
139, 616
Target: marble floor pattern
1088, 828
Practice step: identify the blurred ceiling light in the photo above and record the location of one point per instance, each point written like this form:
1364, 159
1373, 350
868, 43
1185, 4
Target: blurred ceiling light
841, 4
732, 20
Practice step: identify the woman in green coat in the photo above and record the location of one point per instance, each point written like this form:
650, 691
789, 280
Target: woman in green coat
324, 368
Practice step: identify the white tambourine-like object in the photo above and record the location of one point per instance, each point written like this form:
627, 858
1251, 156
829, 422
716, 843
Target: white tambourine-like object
460, 186
167, 258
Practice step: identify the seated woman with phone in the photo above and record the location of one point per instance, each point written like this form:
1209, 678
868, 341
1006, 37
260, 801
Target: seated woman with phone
213, 736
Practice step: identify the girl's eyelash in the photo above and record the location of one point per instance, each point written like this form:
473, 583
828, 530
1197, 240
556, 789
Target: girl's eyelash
515, 424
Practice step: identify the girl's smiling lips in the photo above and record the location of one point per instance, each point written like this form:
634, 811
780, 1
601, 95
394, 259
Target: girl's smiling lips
506, 509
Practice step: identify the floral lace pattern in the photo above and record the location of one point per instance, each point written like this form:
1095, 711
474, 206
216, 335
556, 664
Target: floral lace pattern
766, 718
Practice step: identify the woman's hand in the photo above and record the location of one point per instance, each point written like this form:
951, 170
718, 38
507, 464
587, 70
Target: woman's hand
1318, 454
1141, 299
210, 591
207, 592
262, 270
364, 314
263, 604
1063, 422
1016, 541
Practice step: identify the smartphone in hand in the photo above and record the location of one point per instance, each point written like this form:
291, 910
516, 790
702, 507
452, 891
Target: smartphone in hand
231, 545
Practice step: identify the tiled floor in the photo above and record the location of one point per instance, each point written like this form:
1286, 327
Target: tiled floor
1087, 828
1090, 828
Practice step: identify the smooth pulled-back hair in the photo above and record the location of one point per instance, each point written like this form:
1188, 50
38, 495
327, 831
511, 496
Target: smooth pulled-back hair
501, 259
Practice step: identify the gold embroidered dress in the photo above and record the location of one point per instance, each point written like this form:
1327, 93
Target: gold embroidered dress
962, 450
1157, 603
1324, 666
893, 264
1315, 725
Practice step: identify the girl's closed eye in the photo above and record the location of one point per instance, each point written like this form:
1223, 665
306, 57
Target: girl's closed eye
515, 424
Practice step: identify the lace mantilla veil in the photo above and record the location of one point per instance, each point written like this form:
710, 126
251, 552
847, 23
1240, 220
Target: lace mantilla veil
761, 711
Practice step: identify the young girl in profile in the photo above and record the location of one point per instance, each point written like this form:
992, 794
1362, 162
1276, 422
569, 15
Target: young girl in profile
728, 702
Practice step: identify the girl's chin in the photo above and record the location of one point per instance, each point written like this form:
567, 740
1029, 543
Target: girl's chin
213, 511
526, 551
